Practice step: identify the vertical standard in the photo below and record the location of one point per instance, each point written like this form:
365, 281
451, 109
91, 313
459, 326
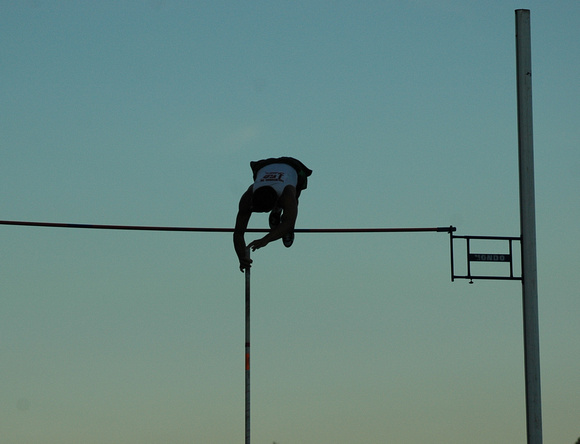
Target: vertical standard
528, 227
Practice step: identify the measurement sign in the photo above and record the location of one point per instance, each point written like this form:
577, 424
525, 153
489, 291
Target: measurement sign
490, 257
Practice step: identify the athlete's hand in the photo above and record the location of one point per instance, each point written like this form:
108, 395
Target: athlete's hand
245, 263
258, 243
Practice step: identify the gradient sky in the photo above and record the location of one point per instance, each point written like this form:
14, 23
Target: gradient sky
149, 112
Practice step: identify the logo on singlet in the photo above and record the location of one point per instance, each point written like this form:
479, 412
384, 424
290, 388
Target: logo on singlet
272, 176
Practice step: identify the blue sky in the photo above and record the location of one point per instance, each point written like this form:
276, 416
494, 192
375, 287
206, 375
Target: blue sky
148, 113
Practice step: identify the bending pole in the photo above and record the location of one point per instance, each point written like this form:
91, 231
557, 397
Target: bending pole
247, 273
449, 229
528, 228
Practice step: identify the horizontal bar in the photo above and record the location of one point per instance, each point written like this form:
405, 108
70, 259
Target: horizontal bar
373, 230
488, 237
499, 278
222, 230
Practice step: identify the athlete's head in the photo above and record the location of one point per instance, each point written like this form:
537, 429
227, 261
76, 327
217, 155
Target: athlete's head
264, 199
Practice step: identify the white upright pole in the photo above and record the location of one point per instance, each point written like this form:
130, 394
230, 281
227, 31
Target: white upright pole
528, 228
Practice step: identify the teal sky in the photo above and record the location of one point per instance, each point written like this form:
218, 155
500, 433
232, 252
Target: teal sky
149, 112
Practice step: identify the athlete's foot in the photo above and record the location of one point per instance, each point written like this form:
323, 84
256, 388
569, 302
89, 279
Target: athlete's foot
274, 219
288, 239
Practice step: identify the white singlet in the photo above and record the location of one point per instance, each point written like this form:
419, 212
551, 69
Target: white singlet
277, 176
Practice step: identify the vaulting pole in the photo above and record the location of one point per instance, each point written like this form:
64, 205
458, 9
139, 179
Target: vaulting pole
247, 273
528, 227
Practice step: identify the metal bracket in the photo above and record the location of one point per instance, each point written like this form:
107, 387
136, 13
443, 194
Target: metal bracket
505, 257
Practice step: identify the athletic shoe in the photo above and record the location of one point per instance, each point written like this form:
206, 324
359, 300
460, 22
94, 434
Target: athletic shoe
274, 218
288, 239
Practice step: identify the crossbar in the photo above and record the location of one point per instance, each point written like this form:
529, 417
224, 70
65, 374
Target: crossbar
448, 229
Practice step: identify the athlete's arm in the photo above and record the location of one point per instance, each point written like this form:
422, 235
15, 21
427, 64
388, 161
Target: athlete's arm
242, 220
